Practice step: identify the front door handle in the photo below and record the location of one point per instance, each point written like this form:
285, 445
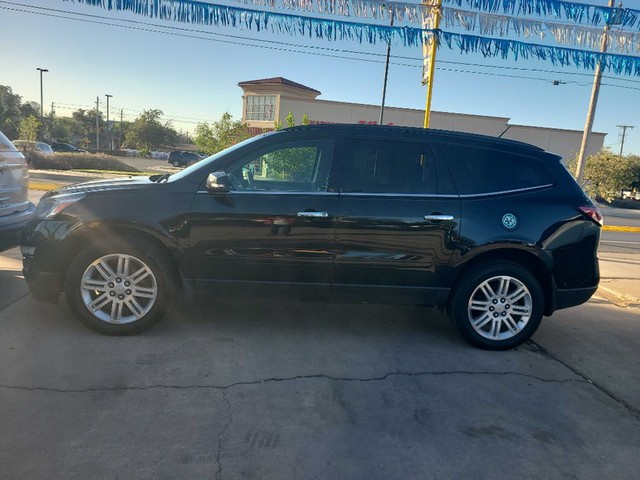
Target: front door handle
438, 217
313, 214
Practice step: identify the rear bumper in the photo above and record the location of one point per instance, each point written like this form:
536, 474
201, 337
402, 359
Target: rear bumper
565, 298
11, 227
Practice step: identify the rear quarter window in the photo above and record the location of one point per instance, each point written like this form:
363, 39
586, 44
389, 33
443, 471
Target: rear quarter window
480, 171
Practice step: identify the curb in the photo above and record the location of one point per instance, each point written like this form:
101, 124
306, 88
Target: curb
630, 301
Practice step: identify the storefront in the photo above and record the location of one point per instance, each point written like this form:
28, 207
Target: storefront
267, 100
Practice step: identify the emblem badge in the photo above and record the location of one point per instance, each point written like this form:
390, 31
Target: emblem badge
509, 221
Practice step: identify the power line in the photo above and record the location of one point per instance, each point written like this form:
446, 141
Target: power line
132, 24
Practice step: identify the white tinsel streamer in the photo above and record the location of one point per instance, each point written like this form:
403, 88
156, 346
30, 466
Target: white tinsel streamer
494, 25
527, 28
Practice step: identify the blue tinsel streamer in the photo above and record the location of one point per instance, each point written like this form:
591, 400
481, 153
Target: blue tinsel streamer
194, 12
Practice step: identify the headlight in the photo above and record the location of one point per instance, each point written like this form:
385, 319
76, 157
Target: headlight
49, 207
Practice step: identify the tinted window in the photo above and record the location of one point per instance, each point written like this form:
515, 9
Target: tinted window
390, 167
477, 170
299, 166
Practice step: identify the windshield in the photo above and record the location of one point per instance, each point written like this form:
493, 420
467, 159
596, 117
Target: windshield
43, 147
198, 165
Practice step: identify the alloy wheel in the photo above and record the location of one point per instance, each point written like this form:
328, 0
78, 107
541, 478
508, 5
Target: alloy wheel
118, 288
500, 307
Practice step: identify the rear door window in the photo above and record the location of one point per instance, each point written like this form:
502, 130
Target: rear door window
481, 171
389, 167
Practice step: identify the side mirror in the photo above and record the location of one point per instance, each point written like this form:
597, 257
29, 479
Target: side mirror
217, 182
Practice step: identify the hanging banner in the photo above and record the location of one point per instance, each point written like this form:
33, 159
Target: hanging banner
329, 29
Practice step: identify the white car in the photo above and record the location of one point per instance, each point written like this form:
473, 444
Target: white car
15, 208
27, 145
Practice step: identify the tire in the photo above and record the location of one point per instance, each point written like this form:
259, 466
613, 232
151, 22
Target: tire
497, 306
132, 283
176, 163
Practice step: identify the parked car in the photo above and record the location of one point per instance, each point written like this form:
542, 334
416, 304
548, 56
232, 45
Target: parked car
495, 231
28, 145
66, 147
15, 208
182, 159
631, 194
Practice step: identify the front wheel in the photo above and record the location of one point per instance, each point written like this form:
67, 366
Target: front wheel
120, 289
497, 306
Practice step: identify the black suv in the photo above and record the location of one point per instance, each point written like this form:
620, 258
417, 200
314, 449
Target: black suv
66, 147
182, 159
496, 231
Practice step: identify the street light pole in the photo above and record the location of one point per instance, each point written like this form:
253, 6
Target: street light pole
110, 133
41, 70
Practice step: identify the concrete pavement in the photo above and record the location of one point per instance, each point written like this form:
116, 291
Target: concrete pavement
620, 277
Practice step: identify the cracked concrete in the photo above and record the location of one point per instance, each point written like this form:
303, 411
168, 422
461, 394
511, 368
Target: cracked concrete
319, 376
290, 390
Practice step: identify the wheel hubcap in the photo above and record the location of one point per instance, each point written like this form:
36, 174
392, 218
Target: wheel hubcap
118, 288
500, 307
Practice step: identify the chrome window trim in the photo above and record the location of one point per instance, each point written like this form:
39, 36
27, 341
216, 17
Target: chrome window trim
368, 194
269, 192
410, 195
503, 192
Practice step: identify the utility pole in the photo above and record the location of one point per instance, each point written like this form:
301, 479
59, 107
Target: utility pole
51, 126
109, 129
120, 136
431, 50
97, 123
623, 134
386, 74
595, 91
41, 70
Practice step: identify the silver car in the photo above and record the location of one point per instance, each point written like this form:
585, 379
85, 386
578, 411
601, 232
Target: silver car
15, 208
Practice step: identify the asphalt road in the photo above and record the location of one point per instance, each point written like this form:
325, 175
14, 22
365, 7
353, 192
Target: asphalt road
280, 389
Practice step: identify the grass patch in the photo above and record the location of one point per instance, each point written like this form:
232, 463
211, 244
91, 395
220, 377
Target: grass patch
79, 161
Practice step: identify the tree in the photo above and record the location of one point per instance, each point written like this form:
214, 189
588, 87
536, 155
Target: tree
606, 173
219, 135
10, 114
289, 120
85, 127
30, 108
29, 128
147, 132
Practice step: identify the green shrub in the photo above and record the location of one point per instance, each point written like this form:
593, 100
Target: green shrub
77, 161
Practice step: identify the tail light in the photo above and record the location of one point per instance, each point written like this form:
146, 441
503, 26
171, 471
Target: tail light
593, 213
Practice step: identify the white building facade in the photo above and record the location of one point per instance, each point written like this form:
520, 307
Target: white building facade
267, 100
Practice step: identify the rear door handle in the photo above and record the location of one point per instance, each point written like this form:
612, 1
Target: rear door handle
438, 217
313, 214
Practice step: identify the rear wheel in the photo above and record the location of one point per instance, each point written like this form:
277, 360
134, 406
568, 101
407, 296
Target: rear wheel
120, 289
497, 306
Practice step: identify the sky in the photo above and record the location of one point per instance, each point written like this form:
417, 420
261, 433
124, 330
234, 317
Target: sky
191, 73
